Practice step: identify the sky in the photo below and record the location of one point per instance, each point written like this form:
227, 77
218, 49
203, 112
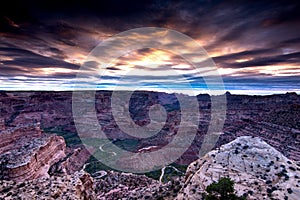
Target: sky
255, 45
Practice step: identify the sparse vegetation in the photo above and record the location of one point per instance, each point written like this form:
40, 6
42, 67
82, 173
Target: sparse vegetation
222, 190
70, 138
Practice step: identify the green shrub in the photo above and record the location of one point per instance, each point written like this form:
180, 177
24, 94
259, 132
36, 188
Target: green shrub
222, 190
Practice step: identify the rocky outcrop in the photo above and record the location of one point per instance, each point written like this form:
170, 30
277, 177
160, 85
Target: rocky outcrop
79, 186
115, 185
258, 170
9, 135
31, 157
73, 162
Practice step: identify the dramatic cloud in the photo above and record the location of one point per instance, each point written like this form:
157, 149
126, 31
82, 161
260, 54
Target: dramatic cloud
255, 44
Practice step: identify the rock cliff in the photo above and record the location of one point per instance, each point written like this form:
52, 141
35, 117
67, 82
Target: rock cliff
9, 135
31, 157
258, 170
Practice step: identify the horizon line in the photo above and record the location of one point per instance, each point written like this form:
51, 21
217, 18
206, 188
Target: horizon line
231, 92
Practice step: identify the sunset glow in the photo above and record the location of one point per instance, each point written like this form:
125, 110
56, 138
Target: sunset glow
248, 42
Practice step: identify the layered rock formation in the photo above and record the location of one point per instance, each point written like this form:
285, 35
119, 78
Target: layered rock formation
10, 135
31, 157
259, 171
275, 118
26, 152
79, 186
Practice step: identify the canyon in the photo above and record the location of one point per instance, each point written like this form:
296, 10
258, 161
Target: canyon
40, 148
274, 118
258, 170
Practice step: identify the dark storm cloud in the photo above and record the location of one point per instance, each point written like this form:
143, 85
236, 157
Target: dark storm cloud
11, 70
196, 17
28, 59
229, 21
112, 68
293, 42
292, 58
38, 34
25, 62
245, 54
246, 25
37, 13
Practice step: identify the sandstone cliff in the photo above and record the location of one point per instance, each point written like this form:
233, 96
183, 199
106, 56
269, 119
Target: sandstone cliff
10, 135
259, 171
31, 157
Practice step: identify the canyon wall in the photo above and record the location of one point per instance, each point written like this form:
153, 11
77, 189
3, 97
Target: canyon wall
31, 158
